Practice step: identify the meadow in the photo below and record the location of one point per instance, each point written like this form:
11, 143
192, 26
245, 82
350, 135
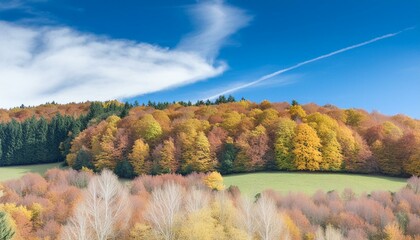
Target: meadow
284, 182
14, 172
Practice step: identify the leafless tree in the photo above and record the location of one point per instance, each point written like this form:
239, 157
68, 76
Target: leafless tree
268, 222
224, 204
164, 209
246, 216
77, 227
196, 199
107, 205
104, 211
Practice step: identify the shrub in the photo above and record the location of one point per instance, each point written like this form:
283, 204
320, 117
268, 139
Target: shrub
214, 181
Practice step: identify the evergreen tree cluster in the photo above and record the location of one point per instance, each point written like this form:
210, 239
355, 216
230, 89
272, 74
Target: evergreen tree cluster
36, 141
164, 105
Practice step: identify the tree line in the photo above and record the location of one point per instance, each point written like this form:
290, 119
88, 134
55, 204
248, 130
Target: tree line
242, 136
225, 135
163, 105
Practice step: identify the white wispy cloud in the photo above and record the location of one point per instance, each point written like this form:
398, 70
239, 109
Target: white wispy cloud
274, 74
42, 64
216, 21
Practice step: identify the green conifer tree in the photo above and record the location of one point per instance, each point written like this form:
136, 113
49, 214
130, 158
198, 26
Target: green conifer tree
6, 230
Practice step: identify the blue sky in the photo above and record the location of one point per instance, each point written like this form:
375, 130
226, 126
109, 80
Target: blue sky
75, 50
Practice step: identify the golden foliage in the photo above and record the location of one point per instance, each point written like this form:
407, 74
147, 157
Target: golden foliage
306, 148
214, 181
393, 232
148, 128
231, 120
142, 232
291, 228
200, 225
412, 165
139, 157
103, 144
87, 170
297, 112
283, 145
71, 158
196, 153
20, 217
37, 211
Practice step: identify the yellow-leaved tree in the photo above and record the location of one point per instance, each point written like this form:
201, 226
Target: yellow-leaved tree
297, 112
103, 144
139, 157
164, 154
197, 155
412, 164
18, 216
306, 148
283, 145
214, 181
148, 128
231, 120
326, 128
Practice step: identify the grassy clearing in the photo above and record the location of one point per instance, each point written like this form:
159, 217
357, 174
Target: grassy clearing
309, 183
14, 172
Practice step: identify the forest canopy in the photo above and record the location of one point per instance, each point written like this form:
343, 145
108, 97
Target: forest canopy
242, 136
225, 135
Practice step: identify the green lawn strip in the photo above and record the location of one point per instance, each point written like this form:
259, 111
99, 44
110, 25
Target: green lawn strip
309, 183
14, 172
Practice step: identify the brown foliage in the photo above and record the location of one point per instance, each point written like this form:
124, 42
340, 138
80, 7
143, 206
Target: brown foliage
46, 111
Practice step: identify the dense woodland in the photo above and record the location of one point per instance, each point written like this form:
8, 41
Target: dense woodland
244, 137
43, 134
80, 205
226, 135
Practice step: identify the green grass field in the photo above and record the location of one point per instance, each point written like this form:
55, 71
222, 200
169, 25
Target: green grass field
7, 173
309, 183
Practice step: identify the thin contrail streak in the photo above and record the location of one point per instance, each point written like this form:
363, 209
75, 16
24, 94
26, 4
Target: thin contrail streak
271, 75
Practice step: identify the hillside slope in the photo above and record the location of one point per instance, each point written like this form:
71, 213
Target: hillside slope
245, 137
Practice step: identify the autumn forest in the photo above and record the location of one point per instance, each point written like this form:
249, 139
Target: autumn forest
228, 136
155, 171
